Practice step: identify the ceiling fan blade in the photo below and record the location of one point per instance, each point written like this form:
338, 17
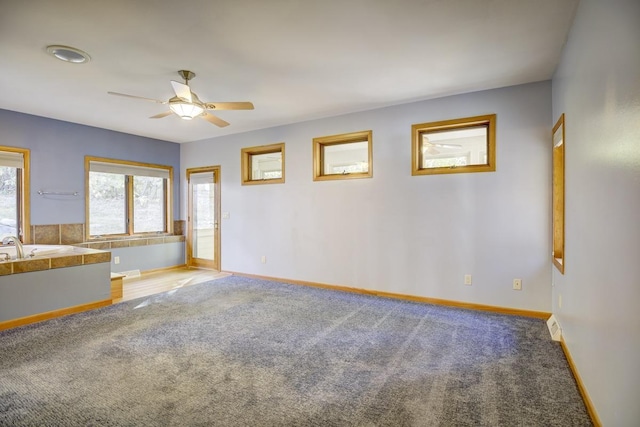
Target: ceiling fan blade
161, 115
137, 97
229, 106
182, 91
214, 120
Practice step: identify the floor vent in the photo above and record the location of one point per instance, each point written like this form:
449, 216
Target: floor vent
130, 274
554, 328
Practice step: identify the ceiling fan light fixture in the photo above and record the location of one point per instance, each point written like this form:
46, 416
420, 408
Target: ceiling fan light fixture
188, 106
68, 54
185, 110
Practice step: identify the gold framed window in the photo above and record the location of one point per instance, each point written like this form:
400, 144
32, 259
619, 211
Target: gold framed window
14, 192
263, 164
344, 156
454, 146
125, 198
558, 194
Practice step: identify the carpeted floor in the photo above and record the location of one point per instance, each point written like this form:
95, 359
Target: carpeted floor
244, 352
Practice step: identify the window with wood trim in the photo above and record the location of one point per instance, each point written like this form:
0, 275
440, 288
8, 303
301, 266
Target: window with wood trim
344, 156
558, 194
127, 198
454, 146
263, 164
14, 193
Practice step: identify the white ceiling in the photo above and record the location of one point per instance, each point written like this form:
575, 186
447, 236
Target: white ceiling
295, 60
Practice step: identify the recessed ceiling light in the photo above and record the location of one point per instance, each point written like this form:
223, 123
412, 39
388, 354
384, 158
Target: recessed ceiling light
68, 54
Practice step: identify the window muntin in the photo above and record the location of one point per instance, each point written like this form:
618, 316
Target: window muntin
454, 146
263, 164
14, 190
127, 198
344, 156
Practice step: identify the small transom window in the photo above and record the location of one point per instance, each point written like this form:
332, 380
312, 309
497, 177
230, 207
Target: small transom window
343, 156
263, 164
454, 146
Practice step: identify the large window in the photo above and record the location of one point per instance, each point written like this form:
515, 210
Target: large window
14, 191
126, 198
454, 146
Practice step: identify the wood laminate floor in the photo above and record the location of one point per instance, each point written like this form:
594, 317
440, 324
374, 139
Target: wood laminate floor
163, 281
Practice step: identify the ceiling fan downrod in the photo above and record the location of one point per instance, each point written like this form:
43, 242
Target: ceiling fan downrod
186, 75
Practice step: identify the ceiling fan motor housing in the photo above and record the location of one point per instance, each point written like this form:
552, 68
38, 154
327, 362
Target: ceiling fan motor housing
186, 75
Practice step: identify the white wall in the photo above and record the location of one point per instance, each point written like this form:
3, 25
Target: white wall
597, 86
396, 232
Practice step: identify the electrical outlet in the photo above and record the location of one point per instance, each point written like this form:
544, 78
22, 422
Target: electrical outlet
517, 284
226, 215
467, 279
116, 260
559, 300
263, 259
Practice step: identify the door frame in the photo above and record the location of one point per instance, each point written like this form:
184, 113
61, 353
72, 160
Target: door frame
216, 264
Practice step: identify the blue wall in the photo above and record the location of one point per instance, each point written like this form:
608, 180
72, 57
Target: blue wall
57, 160
597, 88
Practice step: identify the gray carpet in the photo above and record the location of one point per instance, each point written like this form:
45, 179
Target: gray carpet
243, 352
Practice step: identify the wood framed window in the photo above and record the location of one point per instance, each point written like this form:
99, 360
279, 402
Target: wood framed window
14, 192
126, 198
454, 146
263, 164
345, 156
558, 194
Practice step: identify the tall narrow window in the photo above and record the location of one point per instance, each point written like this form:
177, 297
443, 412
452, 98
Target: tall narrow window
14, 191
454, 146
126, 198
558, 194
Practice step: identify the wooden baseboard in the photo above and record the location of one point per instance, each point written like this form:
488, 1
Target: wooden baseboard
583, 391
34, 318
163, 269
448, 303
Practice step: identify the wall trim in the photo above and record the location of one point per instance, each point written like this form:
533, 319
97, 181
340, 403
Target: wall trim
163, 269
35, 318
591, 409
449, 303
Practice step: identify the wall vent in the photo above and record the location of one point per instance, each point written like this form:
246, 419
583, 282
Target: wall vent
554, 328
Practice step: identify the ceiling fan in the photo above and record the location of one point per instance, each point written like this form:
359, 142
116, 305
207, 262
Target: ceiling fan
187, 105
430, 147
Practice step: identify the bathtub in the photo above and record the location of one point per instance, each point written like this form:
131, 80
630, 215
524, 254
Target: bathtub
36, 250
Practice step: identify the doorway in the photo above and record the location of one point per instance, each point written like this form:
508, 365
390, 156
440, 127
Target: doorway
203, 219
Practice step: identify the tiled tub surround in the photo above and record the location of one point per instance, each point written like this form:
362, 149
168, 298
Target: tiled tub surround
73, 234
128, 242
73, 256
140, 252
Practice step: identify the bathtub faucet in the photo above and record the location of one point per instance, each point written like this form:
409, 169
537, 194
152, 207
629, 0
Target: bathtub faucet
17, 243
